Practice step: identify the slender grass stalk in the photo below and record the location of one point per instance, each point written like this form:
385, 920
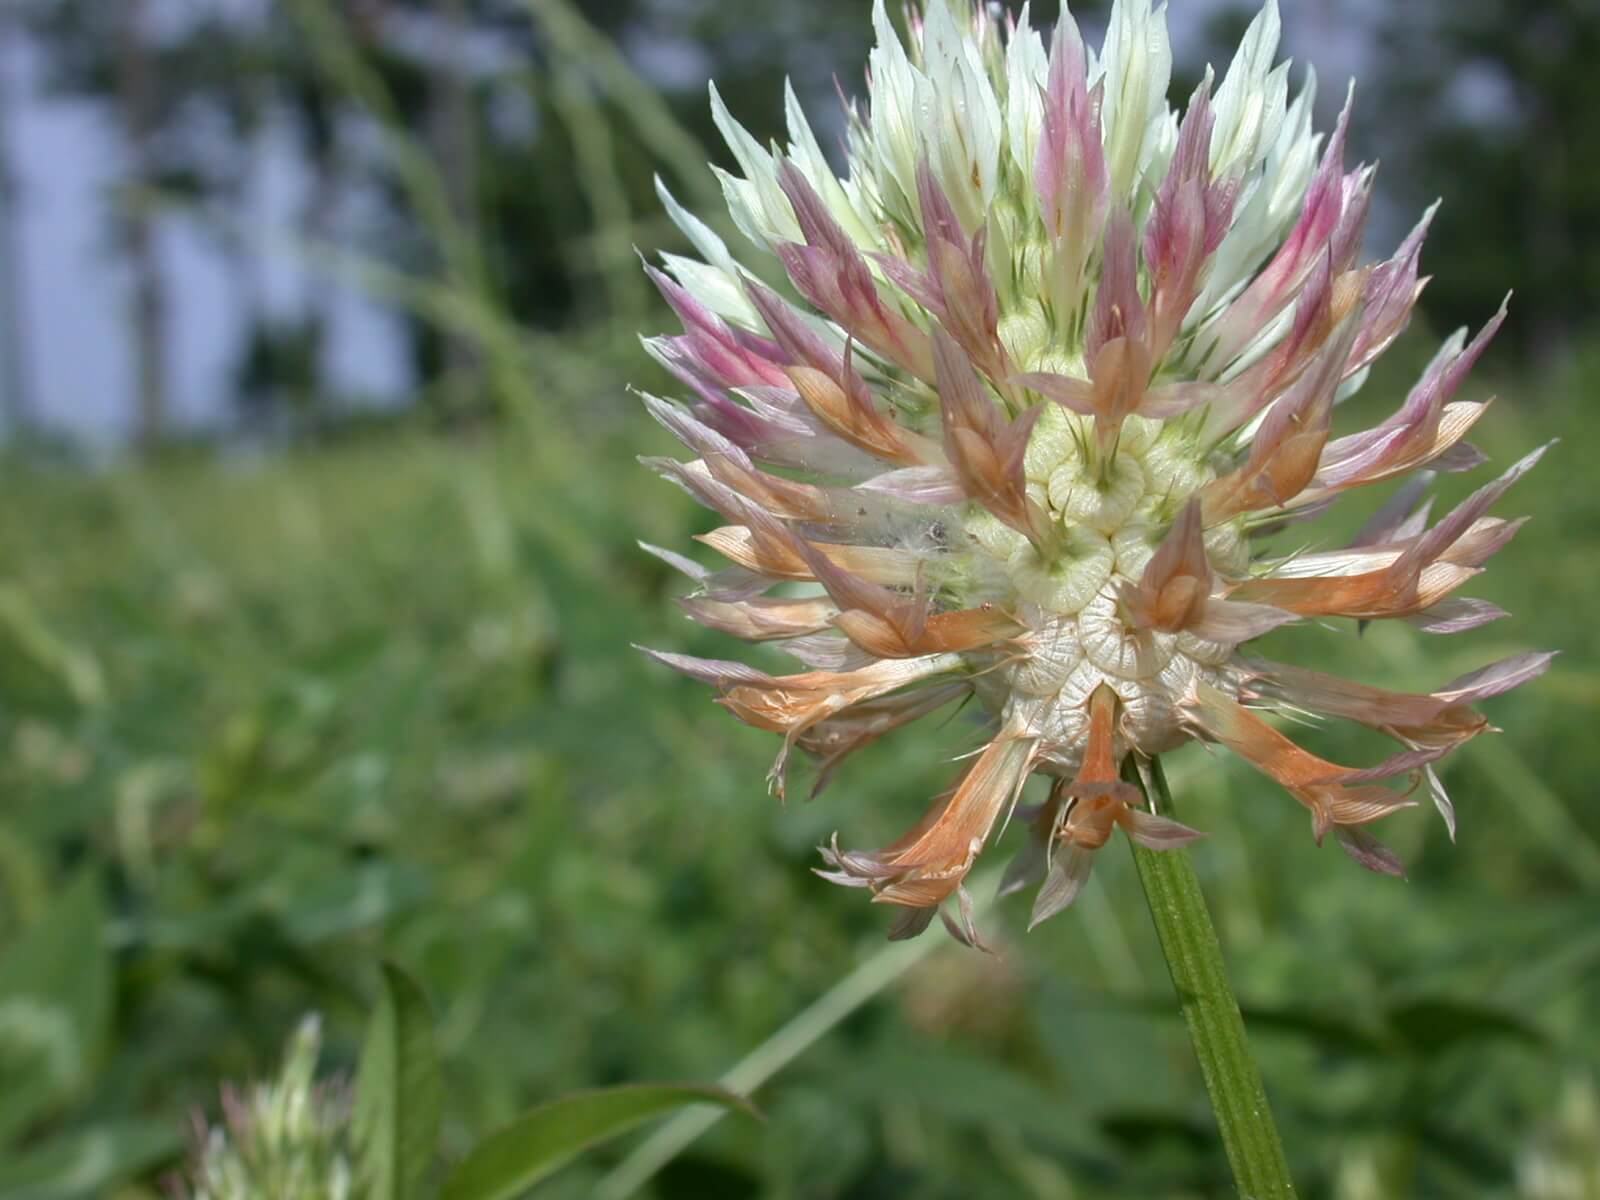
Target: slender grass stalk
1216, 1028
807, 1027
804, 1030
572, 37
463, 266
341, 61
596, 172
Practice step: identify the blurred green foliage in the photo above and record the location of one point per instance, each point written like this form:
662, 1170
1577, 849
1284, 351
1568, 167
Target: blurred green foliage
271, 719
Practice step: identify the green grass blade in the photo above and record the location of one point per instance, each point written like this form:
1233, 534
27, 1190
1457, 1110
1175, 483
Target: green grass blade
509, 1162
398, 1092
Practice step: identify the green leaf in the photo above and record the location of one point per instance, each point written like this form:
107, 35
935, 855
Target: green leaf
398, 1092
89, 1162
509, 1162
55, 1007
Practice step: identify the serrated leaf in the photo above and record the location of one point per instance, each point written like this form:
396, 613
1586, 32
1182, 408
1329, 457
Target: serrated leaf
509, 1162
398, 1092
55, 1007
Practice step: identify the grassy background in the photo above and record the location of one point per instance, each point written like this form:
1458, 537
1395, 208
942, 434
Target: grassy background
272, 718
294, 714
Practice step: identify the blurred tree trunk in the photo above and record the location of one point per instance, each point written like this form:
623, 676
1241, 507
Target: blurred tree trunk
319, 226
319, 304
319, 216
136, 102
15, 377
246, 265
452, 132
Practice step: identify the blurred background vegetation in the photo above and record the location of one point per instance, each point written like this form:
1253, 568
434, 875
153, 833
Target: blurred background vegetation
318, 681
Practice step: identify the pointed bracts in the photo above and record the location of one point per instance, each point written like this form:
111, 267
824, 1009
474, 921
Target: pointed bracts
1050, 365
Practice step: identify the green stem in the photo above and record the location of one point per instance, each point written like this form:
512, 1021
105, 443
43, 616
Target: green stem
1194, 957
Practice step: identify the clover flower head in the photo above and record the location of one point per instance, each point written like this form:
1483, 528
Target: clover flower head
284, 1137
1051, 363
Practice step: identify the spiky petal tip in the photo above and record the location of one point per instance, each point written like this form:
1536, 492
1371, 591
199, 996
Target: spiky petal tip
1055, 360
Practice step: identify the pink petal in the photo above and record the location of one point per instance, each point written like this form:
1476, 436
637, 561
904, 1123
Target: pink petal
1496, 678
718, 672
1156, 832
1456, 614
1401, 518
1118, 310
1370, 852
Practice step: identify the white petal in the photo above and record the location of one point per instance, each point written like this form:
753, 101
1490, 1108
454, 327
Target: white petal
1137, 62
893, 112
1269, 201
757, 203
814, 165
1027, 70
1441, 800
1249, 106
959, 115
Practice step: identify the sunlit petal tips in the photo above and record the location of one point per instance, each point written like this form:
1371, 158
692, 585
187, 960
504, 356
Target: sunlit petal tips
1052, 363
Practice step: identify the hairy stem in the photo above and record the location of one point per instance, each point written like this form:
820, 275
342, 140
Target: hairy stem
1194, 957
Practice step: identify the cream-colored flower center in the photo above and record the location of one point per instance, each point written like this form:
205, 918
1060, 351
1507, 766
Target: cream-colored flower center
1110, 519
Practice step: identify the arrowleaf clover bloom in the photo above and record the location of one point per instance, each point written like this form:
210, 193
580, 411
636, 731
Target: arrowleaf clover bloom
289, 1136
1051, 363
